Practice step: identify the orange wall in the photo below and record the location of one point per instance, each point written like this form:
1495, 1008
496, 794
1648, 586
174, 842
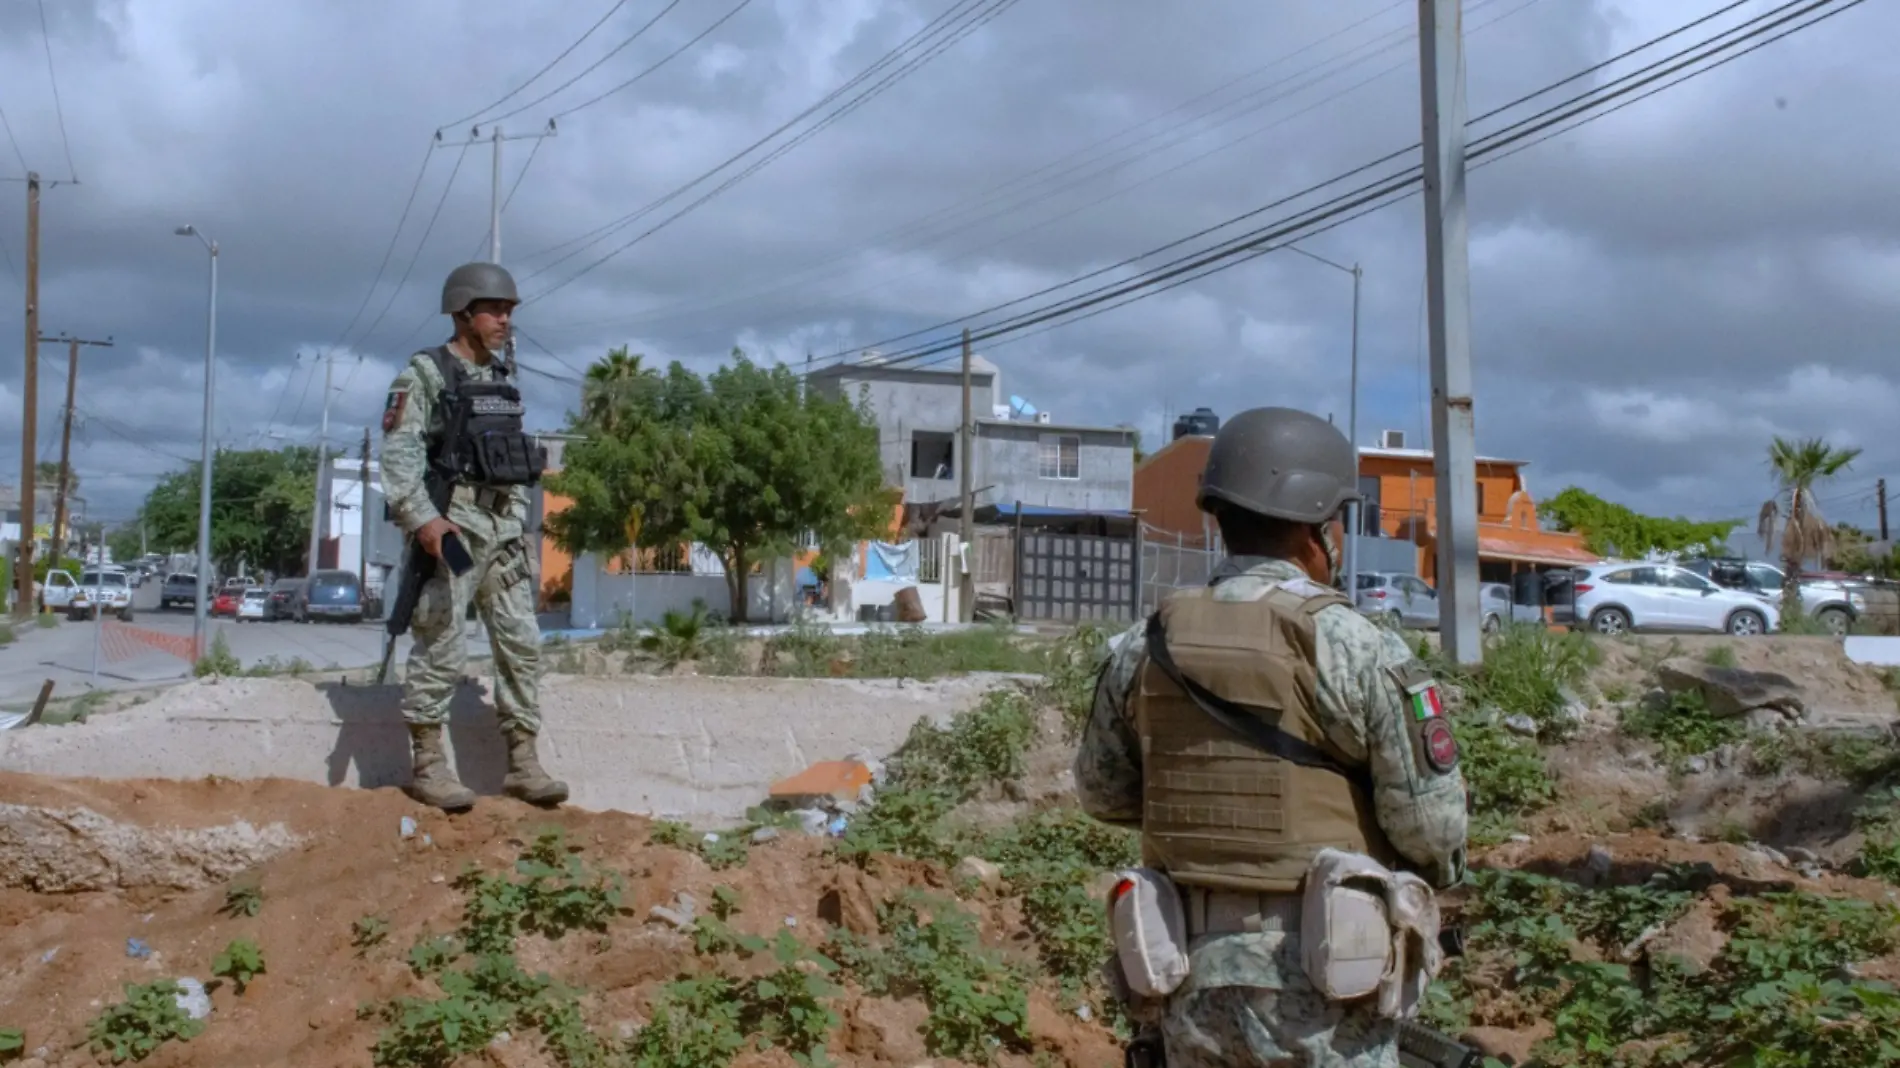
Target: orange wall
1166, 484
1407, 490
557, 568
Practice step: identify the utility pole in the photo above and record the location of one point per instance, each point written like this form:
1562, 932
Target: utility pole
1448, 299
966, 506
1880, 496
362, 523
494, 139
66, 437
30, 399
323, 442
1355, 511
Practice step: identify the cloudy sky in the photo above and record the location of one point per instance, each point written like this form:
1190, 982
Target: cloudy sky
1654, 294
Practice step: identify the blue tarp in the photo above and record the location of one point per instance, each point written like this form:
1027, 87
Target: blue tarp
894, 563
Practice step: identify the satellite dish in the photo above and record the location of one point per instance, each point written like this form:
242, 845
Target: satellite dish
1021, 406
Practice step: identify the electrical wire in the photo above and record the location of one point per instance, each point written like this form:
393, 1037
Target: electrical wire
602, 21
447, 187
58, 109
996, 8
17, 154
1370, 196
661, 62
544, 97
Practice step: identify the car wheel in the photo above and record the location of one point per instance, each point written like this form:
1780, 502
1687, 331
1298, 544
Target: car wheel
1612, 621
1835, 620
1747, 623
1492, 624
1394, 620
125, 616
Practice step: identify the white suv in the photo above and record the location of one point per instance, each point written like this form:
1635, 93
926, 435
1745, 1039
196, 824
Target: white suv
1617, 598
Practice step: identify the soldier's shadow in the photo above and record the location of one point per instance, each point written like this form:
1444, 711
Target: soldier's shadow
372, 741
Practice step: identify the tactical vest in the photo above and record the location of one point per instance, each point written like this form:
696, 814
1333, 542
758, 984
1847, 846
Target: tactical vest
479, 440
1241, 808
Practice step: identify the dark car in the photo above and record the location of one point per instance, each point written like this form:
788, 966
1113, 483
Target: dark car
330, 595
181, 588
282, 603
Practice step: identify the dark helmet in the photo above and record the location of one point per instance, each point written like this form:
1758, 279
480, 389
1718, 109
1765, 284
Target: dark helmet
1281, 463
477, 281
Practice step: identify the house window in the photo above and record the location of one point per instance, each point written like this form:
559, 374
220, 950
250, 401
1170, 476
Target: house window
1059, 456
933, 454
1481, 498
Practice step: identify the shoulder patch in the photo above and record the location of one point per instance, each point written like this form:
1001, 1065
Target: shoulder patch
1420, 689
392, 408
1437, 745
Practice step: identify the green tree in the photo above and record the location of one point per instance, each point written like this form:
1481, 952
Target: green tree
261, 500
46, 473
124, 542
1612, 529
744, 461
1798, 467
607, 389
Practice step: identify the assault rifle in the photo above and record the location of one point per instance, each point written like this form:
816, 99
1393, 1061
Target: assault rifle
418, 566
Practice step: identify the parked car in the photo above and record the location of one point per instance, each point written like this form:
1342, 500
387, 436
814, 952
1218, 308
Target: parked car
1832, 602
1400, 600
282, 602
225, 603
181, 589
1494, 604
330, 595
253, 604
1618, 598
101, 590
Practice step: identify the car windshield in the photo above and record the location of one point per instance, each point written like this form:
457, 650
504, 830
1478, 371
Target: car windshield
95, 578
255, 594
1371, 582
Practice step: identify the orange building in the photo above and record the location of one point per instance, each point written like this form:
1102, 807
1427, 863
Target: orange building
1400, 498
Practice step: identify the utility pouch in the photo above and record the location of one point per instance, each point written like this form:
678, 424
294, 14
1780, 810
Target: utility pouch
1148, 925
1345, 934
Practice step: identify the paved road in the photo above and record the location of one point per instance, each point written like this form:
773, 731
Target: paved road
66, 653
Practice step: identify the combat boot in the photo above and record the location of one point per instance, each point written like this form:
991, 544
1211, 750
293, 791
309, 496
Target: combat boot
525, 779
434, 784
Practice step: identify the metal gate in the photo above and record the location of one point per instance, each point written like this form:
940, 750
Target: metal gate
1073, 577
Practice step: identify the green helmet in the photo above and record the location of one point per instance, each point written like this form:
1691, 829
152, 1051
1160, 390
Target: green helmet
477, 281
1281, 463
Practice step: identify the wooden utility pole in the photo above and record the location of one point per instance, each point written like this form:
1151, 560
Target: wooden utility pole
362, 523
1880, 496
66, 438
30, 398
966, 503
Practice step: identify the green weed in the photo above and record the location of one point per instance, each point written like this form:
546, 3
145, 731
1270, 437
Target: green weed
218, 660
1505, 774
1528, 670
911, 652
1722, 656
1681, 726
680, 636
12, 1039
555, 894
1049, 858
368, 932
240, 962
46, 621
243, 899
431, 954
1069, 671
720, 850
987, 744
149, 1017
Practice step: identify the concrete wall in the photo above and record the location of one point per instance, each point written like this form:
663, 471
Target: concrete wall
905, 401
602, 599
939, 598
1008, 467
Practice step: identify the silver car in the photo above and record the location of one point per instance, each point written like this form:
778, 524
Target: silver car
1397, 600
1618, 598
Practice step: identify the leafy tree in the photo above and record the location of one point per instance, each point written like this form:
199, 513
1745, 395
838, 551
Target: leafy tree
743, 461
1613, 529
1854, 551
261, 500
124, 542
1798, 467
46, 473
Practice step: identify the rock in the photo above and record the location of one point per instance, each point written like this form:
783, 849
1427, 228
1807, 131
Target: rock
1520, 837
1809, 871
977, 870
1512, 1047
1801, 855
870, 760
1599, 861
1731, 692
1696, 765
909, 605
811, 820
1724, 756
69, 850
764, 835
1768, 852
1695, 940
681, 915
1521, 724
1766, 720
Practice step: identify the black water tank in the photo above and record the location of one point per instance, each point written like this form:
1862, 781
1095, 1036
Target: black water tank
1201, 421
1528, 589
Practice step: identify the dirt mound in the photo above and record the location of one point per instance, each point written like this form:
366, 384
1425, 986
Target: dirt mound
359, 877
1837, 691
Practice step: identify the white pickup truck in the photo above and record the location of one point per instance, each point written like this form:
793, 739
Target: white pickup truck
84, 597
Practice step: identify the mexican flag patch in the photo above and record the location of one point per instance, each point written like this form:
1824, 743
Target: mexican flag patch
1425, 702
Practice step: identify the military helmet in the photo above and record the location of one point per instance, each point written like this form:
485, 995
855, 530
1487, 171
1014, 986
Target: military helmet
477, 281
1281, 463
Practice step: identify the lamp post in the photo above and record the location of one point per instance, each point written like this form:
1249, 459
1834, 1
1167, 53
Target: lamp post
199, 619
1352, 422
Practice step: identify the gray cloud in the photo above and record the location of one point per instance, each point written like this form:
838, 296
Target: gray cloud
1652, 295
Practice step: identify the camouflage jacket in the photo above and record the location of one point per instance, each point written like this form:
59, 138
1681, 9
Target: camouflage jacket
410, 416
1361, 708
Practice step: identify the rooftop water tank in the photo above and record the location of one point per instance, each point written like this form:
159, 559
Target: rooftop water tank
1200, 421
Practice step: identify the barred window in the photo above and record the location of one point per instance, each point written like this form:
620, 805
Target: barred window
1059, 456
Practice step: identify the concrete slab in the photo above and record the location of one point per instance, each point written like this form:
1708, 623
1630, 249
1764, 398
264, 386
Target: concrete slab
700, 749
1875, 649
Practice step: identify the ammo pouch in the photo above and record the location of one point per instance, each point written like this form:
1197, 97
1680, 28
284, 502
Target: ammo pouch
1366, 930
504, 458
1148, 926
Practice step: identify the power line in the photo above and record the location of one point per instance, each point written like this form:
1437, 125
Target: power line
661, 62
957, 10
996, 8
407, 205
17, 154
426, 231
58, 110
602, 21
543, 98
1368, 197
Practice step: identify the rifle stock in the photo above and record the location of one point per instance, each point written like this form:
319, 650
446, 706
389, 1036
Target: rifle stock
1422, 1047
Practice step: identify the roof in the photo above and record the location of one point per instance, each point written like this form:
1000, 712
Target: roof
1532, 551
1427, 454
881, 362
1050, 428
1202, 440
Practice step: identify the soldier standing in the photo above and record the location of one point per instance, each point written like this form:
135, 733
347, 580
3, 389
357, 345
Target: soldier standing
456, 466
1364, 761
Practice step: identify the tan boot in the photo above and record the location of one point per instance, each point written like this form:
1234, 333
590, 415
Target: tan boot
525, 779
434, 783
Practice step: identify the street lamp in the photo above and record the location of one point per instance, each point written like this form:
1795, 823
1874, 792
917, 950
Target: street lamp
1352, 422
198, 623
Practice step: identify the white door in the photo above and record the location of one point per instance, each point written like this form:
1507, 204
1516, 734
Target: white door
59, 589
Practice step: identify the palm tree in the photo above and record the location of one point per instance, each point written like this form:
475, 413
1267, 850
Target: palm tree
605, 384
1798, 466
47, 474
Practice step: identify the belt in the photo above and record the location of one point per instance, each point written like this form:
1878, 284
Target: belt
491, 498
1234, 912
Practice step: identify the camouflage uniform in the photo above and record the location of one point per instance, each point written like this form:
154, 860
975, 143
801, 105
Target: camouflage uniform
1247, 1000
501, 582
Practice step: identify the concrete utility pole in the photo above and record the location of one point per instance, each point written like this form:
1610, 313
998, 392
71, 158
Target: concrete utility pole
66, 436
200, 620
30, 401
1448, 298
1880, 496
494, 138
323, 443
966, 500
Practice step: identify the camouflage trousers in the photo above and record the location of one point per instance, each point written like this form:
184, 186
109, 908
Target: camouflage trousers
1282, 1023
501, 584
